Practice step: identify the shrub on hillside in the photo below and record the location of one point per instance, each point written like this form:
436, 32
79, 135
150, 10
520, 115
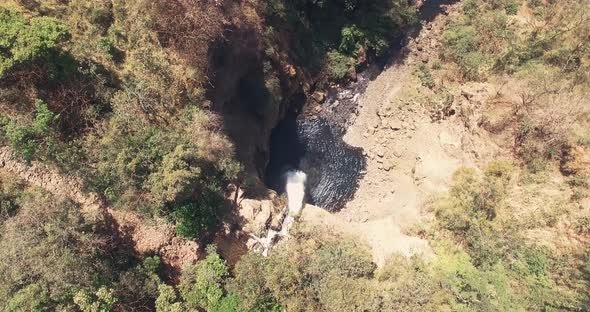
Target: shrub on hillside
28, 139
336, 272
24, 40
340, 65
156, 169
11, 189
471, 206
198, 216
201, 288
461, 45
48, 252
425, 76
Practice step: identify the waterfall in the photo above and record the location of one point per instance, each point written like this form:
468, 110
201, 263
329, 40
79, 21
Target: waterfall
295, 189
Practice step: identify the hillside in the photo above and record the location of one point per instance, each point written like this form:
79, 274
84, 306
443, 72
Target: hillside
139, 161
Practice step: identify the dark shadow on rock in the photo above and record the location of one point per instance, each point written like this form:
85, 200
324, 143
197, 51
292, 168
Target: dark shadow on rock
121, 247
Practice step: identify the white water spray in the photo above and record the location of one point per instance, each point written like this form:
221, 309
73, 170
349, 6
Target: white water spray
295, 189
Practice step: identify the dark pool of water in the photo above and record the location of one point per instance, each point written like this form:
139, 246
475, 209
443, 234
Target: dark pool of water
333, 167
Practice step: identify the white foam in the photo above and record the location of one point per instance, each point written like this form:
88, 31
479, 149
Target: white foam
295, 188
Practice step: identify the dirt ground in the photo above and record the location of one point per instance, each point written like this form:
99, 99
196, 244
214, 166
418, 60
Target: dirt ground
410, 158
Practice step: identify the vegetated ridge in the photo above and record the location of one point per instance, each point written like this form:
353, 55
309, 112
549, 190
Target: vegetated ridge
135, 133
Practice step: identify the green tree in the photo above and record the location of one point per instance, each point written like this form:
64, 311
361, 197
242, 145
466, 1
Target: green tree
168, 300
28, 139
33, 297
202, 285
139, 285
101, 301
23, 40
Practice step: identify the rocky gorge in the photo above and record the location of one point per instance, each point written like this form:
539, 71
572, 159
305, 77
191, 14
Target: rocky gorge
313, 138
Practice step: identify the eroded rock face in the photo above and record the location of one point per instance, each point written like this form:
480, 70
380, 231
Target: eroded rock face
251, 96
255, 215
472, 98
177, 254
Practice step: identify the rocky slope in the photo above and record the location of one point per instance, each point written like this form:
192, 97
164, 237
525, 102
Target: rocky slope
410, 157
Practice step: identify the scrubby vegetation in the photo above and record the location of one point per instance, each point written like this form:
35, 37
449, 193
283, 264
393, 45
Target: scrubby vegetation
117, 91
56, 258
121, 94
115, 109
484, 262
534, 54
348, 32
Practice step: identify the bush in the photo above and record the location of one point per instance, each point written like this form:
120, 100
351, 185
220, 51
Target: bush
471, 8
249, 282
352, 40
11, 190
195, 218
27, 140
138, 286
482, 37
106, 45
168, 300
341, 258
339, 65
471, 205
461, 44
25, 40
33, 297
339, 293
337, 272
512, 7
426, 77
470, 288
460, 39
100, 301
159, 169
411, 286
48, 252
202, 285
201, 288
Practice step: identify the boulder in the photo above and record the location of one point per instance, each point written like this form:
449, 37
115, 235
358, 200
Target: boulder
395, 124
290, 71
388, 164
319, 97
255, 215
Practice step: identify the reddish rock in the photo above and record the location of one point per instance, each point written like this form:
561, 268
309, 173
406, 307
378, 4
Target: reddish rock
319, 97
